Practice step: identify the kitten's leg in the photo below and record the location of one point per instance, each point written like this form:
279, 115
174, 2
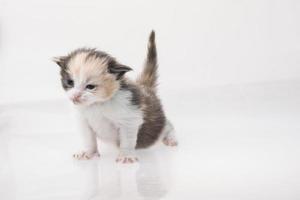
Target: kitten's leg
89, 140
128, 138
169, 137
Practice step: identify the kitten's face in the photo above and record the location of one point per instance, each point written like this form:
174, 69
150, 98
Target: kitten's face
89, 76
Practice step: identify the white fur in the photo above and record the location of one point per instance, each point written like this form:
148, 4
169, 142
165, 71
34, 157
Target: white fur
115, 121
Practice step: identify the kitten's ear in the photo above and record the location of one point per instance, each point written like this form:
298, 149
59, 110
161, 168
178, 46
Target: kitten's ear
118, 69
60, 61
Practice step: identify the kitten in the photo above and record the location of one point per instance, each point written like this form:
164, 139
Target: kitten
112, 107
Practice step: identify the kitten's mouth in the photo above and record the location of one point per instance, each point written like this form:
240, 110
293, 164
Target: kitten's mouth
77, 101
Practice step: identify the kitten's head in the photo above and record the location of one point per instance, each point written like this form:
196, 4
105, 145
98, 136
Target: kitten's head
89, 76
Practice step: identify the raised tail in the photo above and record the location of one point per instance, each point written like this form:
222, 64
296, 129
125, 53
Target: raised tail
148, 77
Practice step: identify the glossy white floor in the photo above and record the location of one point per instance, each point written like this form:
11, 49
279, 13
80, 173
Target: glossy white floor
236, 142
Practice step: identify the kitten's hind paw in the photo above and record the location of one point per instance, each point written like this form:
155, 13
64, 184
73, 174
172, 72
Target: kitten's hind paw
170, 141
85, 155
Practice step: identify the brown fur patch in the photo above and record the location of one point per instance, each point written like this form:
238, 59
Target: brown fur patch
153, 114
92, 69
88, 66
154, 120
148, 77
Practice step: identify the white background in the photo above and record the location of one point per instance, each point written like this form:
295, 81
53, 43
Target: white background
200, 43
229, 82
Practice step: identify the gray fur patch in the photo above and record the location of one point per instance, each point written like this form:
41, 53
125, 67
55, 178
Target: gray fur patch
154, 120
149, 75
153, 114
134, 90
64, 79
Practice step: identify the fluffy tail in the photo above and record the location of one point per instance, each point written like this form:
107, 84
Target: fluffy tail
148, 77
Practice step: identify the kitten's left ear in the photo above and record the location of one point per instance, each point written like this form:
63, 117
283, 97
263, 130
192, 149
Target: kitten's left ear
119, 70
60, 61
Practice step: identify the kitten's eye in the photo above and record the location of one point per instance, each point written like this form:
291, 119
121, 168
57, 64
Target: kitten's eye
70, 83
90, 87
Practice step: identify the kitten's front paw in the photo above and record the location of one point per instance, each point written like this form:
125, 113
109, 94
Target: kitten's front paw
127, 159
85, 155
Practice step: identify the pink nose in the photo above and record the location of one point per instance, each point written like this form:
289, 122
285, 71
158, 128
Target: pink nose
76, 98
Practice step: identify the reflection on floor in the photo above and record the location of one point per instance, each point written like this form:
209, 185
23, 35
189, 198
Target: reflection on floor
236, 142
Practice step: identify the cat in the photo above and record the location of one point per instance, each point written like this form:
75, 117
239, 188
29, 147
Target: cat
112, 107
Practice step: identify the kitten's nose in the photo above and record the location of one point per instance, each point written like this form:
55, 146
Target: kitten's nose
76, 98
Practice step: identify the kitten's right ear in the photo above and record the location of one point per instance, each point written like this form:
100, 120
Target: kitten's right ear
60, 61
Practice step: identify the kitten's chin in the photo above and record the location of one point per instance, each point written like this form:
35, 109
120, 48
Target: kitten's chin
83, 104
89, 103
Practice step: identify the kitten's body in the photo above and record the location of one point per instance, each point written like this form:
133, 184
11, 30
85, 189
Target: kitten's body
117, 110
